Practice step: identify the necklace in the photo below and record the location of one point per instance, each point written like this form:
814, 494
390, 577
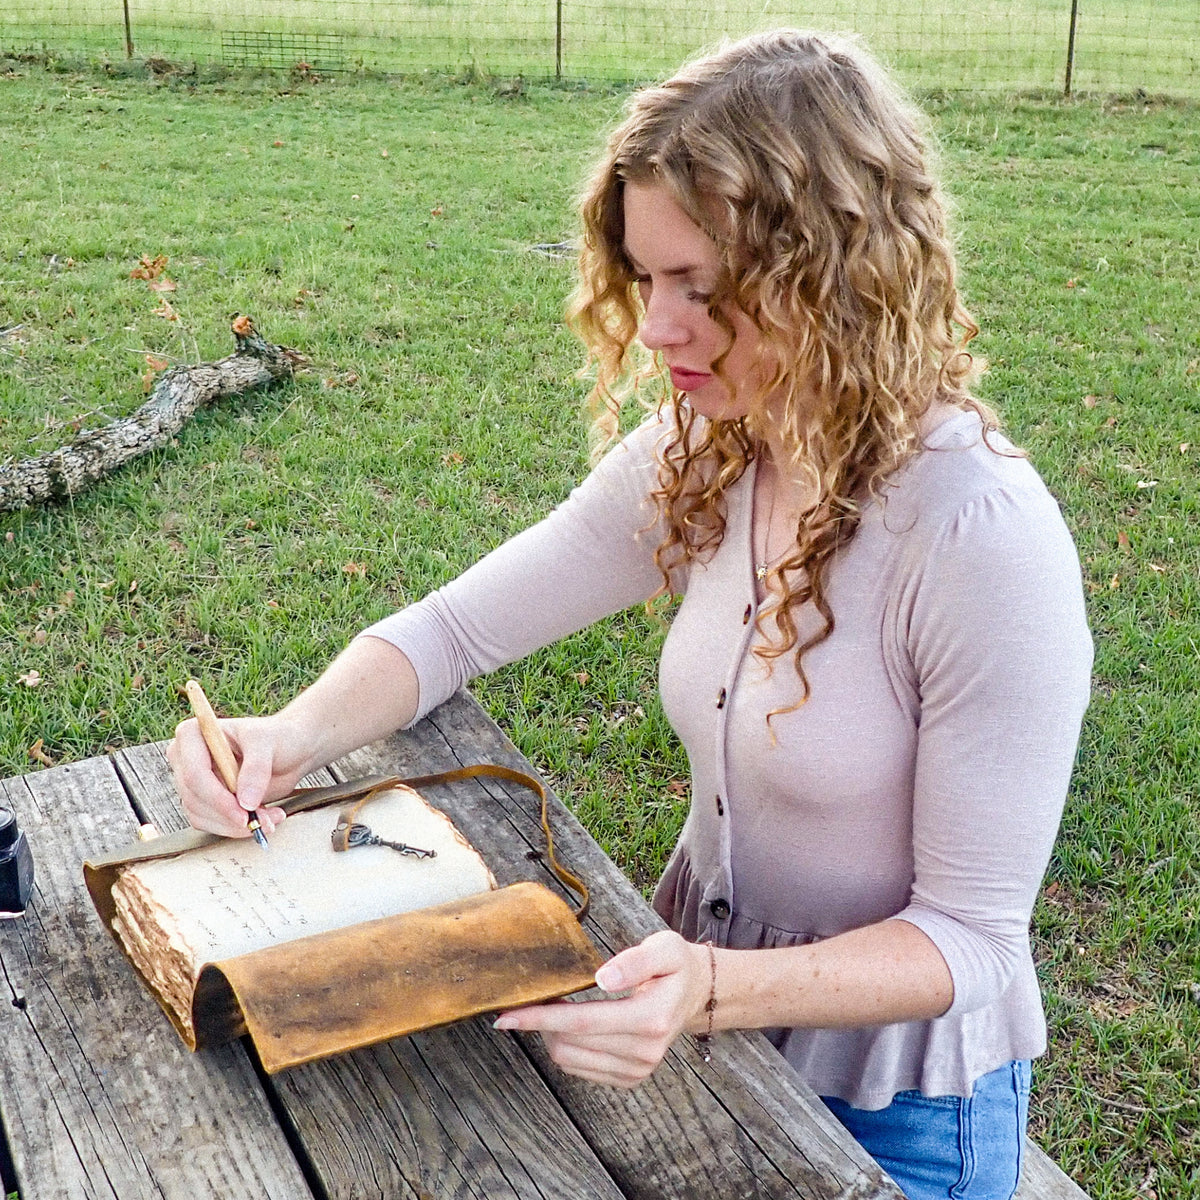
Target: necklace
763, 565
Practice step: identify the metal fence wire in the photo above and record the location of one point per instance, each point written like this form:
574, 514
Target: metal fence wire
1109, 45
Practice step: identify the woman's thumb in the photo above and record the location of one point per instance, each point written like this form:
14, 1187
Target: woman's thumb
638, 964
254, 777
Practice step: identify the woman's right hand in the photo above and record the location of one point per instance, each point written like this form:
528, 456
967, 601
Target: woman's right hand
369, 690
272, 754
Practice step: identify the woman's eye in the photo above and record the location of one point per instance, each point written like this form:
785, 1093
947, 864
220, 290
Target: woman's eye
644, 285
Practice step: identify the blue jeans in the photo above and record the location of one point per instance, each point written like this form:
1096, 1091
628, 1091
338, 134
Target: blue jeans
947, 1147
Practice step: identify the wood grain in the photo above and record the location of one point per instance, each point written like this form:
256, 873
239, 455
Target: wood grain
1043, 1179
97, 1095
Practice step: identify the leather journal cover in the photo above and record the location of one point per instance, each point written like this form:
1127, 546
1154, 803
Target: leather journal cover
359, 924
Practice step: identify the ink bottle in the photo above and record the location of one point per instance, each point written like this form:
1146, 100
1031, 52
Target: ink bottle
16, 867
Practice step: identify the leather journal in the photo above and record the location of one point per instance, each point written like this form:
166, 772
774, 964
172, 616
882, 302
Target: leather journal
369, 917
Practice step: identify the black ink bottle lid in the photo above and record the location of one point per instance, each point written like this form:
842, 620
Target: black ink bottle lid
16, 867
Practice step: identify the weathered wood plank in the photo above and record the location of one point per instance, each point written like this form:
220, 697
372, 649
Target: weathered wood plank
1043, 1179
450, 1113
97, 1095
743, 1125
456, 1113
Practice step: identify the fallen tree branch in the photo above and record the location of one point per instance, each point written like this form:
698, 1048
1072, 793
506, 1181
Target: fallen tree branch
176, 397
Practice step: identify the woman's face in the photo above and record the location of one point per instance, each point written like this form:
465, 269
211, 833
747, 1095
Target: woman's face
677, 267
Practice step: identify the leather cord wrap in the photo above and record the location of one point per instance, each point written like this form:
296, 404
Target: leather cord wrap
304, 798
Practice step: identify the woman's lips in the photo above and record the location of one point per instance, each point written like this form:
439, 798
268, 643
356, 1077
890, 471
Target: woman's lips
689, 381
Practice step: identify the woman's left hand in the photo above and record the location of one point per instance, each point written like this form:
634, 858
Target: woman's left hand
620, 1042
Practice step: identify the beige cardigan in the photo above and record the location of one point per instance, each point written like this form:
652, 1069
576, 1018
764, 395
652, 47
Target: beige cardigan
925, 777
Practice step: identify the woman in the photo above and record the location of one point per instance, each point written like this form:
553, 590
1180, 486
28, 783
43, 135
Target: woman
880, 660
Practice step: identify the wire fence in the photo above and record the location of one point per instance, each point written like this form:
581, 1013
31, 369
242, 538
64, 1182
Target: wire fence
1106, 45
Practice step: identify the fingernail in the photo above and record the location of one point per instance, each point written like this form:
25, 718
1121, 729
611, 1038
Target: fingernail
609, 980
504, 1023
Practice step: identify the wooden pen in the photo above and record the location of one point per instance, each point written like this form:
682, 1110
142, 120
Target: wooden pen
219, 748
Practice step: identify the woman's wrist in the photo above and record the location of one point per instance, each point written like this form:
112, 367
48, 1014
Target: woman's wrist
708, 1012
300, 740
366, 693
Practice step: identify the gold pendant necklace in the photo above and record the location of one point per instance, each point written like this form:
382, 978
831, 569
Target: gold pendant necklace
763, 565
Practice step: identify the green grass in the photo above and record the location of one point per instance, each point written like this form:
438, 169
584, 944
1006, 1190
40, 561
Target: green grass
1120, 44
442, 414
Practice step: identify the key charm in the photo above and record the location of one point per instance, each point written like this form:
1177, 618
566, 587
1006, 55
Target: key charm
346, 836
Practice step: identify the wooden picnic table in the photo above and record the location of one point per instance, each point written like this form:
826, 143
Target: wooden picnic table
99, 1098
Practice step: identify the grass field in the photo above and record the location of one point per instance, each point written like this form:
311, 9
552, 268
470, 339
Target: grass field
1120, 44
385, 230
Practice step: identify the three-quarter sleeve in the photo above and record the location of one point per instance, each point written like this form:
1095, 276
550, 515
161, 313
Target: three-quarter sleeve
1002, 655
592, 556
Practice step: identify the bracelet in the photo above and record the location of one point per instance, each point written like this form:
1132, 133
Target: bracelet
704, 1040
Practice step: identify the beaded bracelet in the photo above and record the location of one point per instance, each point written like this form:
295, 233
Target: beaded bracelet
704, 1040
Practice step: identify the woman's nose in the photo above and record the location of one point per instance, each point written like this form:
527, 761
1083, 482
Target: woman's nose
662, 323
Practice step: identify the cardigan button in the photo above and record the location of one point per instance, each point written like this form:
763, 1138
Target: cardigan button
721, 698
720, 806
746, 615
720, 909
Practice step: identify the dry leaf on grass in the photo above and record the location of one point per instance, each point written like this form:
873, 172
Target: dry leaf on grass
149, 268
155, 365
37, 754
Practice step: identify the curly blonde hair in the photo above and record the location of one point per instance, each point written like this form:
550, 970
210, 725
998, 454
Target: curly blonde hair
810, 171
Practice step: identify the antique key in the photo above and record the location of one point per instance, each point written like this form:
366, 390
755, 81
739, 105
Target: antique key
346, 836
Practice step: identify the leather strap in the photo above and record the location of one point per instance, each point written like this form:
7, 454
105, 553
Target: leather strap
305, 798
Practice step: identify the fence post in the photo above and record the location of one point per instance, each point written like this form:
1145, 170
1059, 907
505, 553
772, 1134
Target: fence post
558, 39
1071, 47
128, 32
